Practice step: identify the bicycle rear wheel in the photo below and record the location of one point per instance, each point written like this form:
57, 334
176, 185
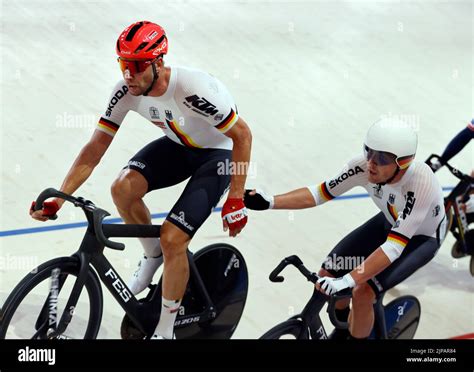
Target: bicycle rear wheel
402, 316
29, 310
290, 329
224, 273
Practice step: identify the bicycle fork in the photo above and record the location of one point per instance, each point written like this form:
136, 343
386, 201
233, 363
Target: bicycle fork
312, 321
48, 317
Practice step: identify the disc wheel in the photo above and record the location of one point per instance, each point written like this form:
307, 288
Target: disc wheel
224, 273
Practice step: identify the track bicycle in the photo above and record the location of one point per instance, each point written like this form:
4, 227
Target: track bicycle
397, 320
458, 220
63, 299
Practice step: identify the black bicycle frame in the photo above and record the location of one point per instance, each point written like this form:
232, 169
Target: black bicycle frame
310, 314
315, 325
311, 321
143, 314
462, 189
451, 201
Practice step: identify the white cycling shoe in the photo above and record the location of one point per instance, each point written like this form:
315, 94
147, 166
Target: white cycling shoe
143, 276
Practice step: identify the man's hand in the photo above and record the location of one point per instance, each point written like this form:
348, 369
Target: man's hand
234, 216
329, 285
258, 200
48, 211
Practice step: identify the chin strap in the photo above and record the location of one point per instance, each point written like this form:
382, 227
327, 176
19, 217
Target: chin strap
155, 78
391, 178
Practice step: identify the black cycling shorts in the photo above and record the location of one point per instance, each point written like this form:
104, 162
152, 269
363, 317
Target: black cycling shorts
165, 163
364, 240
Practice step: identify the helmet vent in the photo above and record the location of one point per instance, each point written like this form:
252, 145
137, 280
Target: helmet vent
156, 43
133, 31
141, 46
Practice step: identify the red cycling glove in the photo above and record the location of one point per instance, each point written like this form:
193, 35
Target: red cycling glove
49, 208
234, 213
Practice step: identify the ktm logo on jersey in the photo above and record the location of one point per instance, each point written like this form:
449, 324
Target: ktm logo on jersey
345, 176
201, 104
410, 203
117, 96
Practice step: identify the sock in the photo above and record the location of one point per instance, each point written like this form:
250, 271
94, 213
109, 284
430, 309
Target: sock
169, 310
151, 246
342, 314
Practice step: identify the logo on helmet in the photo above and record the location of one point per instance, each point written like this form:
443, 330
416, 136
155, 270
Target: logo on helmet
152, 35
160, 49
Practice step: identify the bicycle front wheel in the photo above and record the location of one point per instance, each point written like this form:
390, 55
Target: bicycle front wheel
32, 309
291, 329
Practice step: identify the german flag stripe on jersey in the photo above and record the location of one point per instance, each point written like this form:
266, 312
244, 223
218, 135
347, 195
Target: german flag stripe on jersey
393, 211
108, 126
405, 161
228, 121
183, 137
397, 238
324, 192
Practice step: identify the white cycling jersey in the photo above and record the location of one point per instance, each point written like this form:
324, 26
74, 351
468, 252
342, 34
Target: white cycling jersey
195, 111
414, 205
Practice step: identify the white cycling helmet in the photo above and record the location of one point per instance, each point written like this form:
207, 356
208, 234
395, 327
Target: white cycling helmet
395, 137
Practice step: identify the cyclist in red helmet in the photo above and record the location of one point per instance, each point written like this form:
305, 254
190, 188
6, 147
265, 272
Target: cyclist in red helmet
204, 139
139, 46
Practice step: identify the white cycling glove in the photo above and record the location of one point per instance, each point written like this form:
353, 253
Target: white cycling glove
332, 285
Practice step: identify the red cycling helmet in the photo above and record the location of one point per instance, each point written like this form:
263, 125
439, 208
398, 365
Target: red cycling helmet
142, 40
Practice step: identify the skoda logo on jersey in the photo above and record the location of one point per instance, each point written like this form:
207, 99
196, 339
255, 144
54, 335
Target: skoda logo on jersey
351, 172
154, 113
169, 115
391, 199
117, 96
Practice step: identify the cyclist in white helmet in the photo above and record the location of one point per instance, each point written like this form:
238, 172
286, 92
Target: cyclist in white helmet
393, 244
